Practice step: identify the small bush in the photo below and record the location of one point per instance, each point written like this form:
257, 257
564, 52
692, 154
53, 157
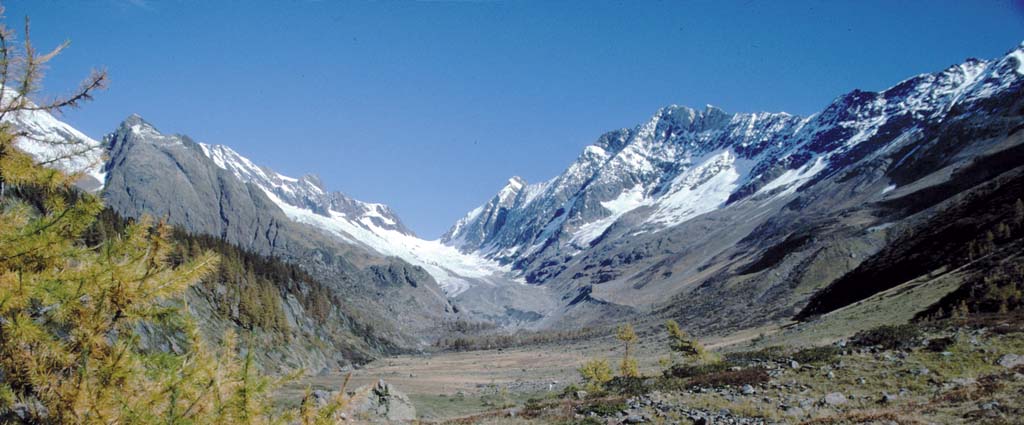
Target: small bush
822, 354
734, 378
938, 345
603, 407
533, 405
569, 391
689, 371
890, 337
595, 374
589, 420
767, 354
627, 385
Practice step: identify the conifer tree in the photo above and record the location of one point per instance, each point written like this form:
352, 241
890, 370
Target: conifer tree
69, 351
683, 344
629, 367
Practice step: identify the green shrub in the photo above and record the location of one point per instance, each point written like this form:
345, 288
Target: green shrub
569, 391
890, 337
533, 405
689, 371
822, 354
627, 385
733, 378
767, 354
940, 344
604, 407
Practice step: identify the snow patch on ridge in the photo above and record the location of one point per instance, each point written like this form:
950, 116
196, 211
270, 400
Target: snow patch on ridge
792, 179
453, 270
627, 201
701, 189
47, 142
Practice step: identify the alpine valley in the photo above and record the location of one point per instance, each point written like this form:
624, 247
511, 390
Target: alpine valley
723, 221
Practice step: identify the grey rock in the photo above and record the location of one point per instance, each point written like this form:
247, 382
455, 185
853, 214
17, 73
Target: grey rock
834, 399
1011, 360
633, 419
380, 402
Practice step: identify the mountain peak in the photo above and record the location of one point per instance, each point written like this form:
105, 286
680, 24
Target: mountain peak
133, 119
315, 180
516, 182
136, 124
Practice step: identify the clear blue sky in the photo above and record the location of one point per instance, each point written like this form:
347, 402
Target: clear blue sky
430, 106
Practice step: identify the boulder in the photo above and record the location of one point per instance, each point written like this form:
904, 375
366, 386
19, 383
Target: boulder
834, 399
794, 412
380, 403
1011, 361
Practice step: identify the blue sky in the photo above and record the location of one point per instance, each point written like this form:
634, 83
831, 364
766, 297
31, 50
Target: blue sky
430, 106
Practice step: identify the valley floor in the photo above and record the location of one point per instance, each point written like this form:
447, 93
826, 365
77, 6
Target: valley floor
961, 382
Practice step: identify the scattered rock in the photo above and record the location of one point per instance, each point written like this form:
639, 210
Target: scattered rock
794, 411
963, 382
633, 419
1011, 361
834, 399
887, 398
580, 395
793, 364
748, 390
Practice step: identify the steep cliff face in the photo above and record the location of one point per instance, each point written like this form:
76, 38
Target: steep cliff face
168, 176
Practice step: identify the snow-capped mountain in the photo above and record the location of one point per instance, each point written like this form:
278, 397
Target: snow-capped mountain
372, 225
683, 163
56, 143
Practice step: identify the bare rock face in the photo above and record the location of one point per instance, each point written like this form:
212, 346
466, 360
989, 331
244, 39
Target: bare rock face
380, 403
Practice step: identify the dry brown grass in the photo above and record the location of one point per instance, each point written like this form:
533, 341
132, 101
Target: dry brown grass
867, 416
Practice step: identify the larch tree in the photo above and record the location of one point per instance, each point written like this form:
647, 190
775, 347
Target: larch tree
629, 367
682, 344
69, 351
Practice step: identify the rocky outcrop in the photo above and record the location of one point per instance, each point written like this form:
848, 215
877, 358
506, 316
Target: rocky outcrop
377, 403
380, 402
